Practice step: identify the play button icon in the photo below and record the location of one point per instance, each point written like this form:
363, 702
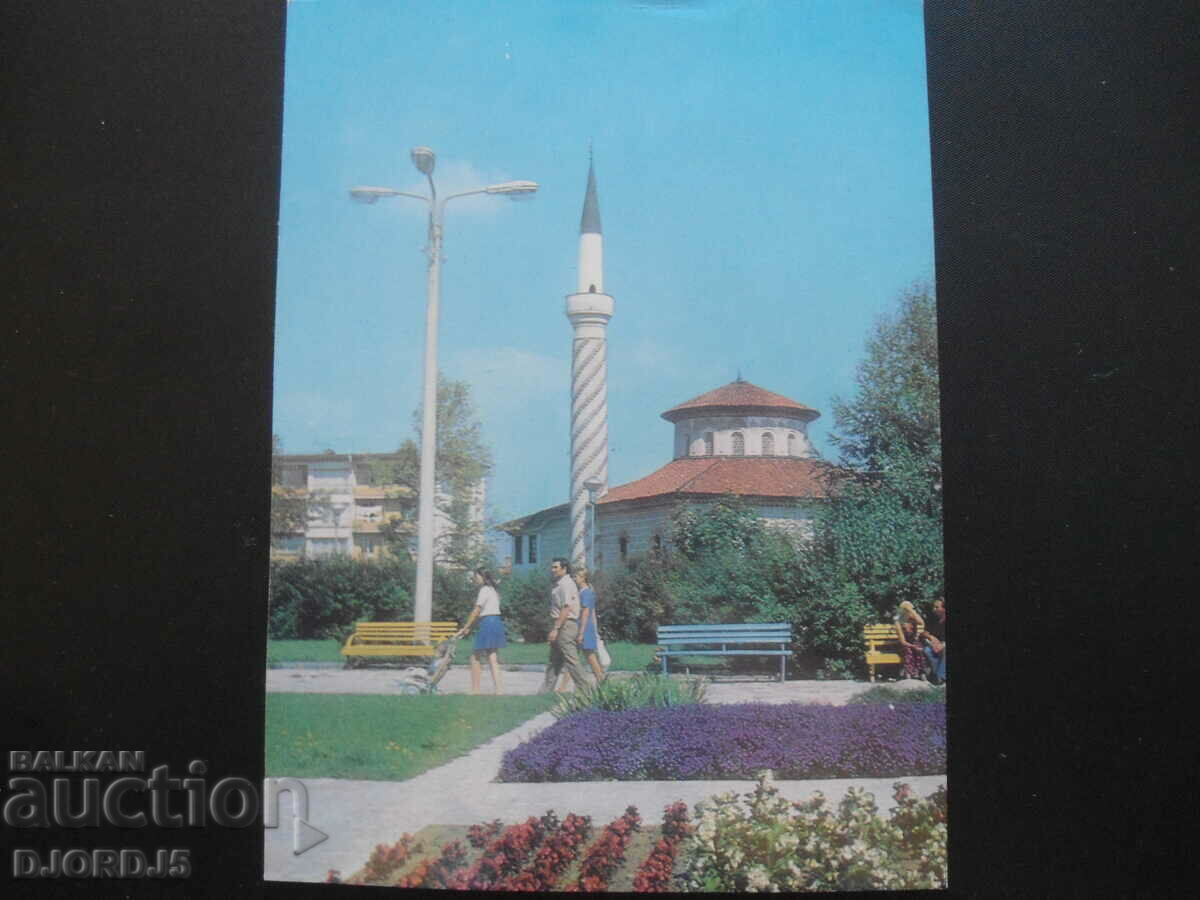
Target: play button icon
304, 836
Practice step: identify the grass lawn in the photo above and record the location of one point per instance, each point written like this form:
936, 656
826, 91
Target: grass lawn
383, 738
627, 656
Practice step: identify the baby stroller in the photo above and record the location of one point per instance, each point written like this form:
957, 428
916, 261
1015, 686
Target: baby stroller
424, 679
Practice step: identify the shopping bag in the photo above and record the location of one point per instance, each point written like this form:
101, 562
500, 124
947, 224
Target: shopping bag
602, 653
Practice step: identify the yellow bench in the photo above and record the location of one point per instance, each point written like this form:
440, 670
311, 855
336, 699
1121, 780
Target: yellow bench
883, 647
376, 639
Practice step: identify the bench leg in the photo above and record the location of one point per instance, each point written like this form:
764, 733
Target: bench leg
664, 662
782, 669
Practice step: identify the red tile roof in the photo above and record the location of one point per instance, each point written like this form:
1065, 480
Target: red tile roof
757, 476
744, 397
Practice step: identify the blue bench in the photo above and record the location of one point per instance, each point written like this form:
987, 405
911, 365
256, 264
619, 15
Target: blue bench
716, 640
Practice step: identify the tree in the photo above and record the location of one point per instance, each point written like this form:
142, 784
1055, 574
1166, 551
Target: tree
463, 460
289, 505
879, 541
895, 417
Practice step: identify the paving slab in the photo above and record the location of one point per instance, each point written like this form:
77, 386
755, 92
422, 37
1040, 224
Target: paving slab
358, 815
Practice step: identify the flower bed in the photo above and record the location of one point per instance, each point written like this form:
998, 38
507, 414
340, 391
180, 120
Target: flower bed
753, 842
736, 741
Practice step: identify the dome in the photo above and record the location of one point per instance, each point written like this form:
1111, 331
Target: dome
741, 398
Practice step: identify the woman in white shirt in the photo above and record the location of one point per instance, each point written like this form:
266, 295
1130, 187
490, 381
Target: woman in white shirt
490, 636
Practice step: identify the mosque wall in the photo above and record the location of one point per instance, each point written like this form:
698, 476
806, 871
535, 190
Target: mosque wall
691, 436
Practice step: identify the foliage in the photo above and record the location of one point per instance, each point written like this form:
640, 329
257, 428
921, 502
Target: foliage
753, 842
633, 601
323, 598
700, 741
896, 406
436, 873
654, 875
883, 532
525, 605
503, 858
733, 568
760, 842
454, 594
724, 565
554, 856
385, 860
642, 690
828, 620
608, 852
383, 738
462, 461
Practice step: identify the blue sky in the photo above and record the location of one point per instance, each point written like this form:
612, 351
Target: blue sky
763, 171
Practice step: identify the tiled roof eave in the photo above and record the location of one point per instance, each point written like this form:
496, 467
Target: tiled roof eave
669, 497
802, 413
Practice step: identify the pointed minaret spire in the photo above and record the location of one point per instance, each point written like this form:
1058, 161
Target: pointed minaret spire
590, 221
591, 239
589, 310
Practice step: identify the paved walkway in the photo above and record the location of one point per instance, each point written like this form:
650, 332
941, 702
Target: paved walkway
358, 815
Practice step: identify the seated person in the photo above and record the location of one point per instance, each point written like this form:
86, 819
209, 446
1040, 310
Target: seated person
935, 643
909, 626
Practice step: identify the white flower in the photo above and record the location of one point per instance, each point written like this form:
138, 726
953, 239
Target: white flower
758, 879
788, 842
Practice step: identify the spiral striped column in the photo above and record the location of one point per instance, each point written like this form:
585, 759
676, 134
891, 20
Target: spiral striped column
589, 430
589, 311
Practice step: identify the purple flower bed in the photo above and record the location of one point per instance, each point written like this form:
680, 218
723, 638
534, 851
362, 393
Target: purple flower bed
700, 741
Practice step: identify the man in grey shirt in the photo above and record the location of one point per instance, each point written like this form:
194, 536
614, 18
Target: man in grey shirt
564, 610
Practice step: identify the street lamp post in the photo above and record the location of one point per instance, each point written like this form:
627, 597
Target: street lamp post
594, 487
424, 159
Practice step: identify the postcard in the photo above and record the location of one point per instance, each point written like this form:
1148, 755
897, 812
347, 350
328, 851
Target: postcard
606, 491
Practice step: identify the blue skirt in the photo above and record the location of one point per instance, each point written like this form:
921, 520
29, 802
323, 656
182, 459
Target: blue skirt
490, 635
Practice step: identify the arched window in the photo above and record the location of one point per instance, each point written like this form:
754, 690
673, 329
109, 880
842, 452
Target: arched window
739, 444
791, 443
768, 444
708, 443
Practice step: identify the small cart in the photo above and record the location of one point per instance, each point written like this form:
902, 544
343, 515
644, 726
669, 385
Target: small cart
424, 679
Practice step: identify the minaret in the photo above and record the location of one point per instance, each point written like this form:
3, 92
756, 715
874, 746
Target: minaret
589, 311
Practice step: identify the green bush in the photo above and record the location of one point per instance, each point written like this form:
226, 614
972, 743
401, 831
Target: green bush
322, 598
325, 597
633, 601
615, 694
454, 593
525, 604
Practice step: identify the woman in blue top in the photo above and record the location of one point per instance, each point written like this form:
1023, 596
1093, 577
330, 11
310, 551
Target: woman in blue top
588, 634
490, 636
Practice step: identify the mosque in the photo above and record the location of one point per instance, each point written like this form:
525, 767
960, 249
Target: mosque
738, 438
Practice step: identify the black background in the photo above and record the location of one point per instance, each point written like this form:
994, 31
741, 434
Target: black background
140, 176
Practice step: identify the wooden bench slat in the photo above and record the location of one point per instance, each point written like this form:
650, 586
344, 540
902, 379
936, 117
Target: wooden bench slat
882, 647
397, 638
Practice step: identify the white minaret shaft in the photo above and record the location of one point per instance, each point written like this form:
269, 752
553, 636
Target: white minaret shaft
589, 311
